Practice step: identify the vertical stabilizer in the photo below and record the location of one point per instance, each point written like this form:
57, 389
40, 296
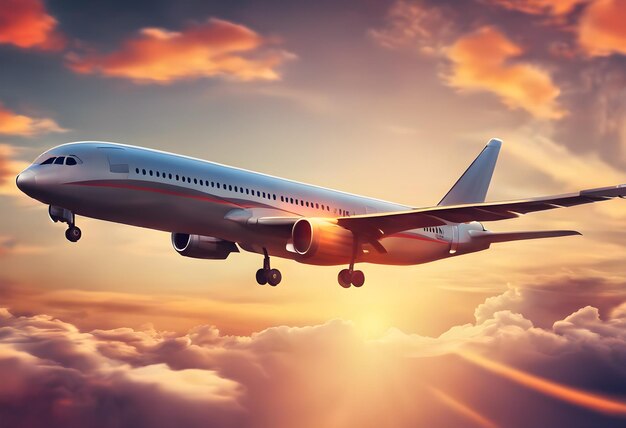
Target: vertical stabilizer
473, 185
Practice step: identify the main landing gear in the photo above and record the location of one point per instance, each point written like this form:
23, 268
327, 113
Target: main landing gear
350, 276
58, 214
267, 275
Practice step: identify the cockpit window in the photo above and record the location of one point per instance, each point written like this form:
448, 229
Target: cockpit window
62, 160
48, 161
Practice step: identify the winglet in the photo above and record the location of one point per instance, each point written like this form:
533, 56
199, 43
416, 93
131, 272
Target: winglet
473, 185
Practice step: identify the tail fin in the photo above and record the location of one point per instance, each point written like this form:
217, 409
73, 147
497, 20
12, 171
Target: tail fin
473, 184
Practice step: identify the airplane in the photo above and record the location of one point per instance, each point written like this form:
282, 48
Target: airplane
213, 210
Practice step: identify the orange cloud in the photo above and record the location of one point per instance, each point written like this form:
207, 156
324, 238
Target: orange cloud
25, 23
212, 48
481, 62
16, 124
538, 7
601, 30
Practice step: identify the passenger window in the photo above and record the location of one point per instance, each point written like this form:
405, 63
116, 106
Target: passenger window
150, 173
213, 184
70, 161
170, 175
258, 193
59, 160
195, 181
158, 174
291, 200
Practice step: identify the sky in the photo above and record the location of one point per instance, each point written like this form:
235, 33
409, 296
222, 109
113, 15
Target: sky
390, 99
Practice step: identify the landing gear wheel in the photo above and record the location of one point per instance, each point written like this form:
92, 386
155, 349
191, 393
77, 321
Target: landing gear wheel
261, 276
274, 277
358, 278
73, 234
344, 278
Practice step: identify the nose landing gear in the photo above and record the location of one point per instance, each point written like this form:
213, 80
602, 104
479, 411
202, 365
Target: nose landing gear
267, 275
58, 214
73, 233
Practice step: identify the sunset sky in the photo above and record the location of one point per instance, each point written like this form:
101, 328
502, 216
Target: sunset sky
387, 98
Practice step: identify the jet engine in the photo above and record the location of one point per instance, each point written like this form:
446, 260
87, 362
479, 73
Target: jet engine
321, 242
202, 247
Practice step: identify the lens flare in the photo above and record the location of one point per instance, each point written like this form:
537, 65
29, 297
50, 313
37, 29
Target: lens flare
579, 397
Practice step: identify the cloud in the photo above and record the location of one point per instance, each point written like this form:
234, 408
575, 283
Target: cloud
538, 7
26, 24
596, 100
209, 49
554, 298
324, 375
601, 30
482, 61
413, 25
12, 123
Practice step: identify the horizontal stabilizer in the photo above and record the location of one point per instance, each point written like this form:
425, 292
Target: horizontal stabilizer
493, 237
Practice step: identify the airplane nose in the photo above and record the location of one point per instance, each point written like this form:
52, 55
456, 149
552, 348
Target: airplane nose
26, 181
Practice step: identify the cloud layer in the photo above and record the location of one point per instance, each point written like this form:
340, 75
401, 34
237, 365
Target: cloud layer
213, 48
325, 375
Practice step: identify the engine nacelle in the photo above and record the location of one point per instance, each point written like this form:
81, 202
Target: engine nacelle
463, 243
321, 242
202, 247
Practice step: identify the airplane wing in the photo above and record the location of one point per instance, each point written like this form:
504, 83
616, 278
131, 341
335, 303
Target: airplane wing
380, 224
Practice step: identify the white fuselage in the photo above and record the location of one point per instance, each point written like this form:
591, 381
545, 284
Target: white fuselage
164, 191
